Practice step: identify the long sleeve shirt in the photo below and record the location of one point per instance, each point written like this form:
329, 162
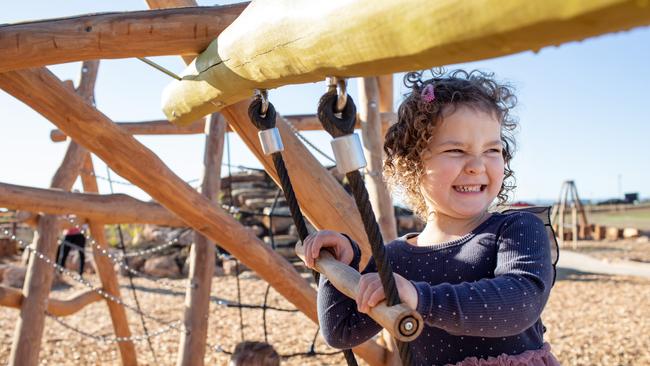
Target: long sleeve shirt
480, 295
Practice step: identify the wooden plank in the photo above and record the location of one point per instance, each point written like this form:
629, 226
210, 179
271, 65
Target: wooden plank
302, 122
298, 41
107, 208
373, 143
41, 90
113, 35
202, 254
13, 298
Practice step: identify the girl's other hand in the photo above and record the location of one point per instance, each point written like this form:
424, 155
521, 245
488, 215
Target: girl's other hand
336, 243
371, 292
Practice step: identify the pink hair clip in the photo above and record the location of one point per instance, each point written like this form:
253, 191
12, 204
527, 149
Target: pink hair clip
428, 94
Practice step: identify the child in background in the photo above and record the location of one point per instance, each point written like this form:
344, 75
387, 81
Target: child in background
479, 279
249, 353
74, 239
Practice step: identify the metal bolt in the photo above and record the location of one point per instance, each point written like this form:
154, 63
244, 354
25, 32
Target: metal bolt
409, 325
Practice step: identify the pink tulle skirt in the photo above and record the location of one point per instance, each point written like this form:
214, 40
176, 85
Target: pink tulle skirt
538, 357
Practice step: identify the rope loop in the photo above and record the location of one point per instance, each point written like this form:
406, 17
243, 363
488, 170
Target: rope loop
263, 121
327, 114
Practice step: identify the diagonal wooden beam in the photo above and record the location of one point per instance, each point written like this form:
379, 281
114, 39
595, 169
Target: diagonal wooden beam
305, 41
184, 31
42, 91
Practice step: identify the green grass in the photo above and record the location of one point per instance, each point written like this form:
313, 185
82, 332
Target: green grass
639, 219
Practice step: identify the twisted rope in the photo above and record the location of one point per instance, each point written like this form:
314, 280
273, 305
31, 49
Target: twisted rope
340, 124
264, 123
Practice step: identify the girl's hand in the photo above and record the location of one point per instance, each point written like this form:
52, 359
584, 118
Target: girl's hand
336, 243
371, 292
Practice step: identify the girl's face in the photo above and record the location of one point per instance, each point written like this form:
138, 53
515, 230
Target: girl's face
464, 166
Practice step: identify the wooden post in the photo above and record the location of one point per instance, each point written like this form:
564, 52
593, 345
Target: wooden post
386, 107
107, 274
574, 226
373, 142
202, 254
38, 280
29, 328
105, 270
561, 209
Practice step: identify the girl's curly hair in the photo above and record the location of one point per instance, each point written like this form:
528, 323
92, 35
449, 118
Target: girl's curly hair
408, 139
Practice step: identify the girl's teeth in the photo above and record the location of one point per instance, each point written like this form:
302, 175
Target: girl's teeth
468, 188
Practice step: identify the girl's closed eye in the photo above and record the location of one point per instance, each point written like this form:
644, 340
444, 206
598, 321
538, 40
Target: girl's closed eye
454, 151
495, 150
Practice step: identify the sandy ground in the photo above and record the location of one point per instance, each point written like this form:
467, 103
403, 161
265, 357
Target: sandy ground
591, 320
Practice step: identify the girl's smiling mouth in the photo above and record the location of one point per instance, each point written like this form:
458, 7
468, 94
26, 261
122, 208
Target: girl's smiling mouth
473, 188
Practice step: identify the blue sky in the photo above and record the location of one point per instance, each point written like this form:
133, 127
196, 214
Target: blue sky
583, 110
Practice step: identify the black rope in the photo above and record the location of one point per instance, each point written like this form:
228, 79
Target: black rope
340, 124
241, 314
268, 286
265, 122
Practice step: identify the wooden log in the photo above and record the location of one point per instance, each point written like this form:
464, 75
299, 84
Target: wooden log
113, 35
29, 328
400, 321
41, 90
252, 54
13, 298
373, 143
302, 122
202, 254
106, 273
106, 208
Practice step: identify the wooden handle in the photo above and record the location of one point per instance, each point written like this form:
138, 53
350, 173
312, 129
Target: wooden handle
402, 322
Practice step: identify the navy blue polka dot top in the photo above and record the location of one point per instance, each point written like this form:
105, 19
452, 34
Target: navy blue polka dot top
480, 295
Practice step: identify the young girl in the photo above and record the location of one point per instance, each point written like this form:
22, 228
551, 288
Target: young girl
479, 279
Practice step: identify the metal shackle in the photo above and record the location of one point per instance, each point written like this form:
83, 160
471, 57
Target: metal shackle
348, 153
271, 141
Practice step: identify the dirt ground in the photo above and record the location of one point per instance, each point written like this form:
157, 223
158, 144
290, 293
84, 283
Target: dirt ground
591, 320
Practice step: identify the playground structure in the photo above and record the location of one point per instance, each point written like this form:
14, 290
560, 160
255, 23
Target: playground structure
249, 53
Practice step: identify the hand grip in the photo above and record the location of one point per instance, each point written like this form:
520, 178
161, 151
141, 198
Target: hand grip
403, 323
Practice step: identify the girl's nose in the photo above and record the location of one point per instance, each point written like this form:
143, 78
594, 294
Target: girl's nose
475, 166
